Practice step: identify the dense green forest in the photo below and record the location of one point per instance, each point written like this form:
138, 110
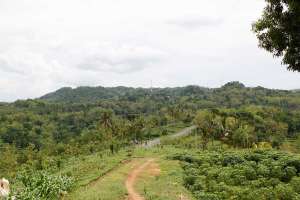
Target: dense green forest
232, 94
42, 134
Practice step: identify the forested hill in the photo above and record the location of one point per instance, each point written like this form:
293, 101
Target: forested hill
94, 94
232, 94
48, 135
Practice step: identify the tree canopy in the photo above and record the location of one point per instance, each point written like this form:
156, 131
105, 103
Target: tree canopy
278, 31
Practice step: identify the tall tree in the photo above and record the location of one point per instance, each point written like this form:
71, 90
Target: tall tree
244, 136
278, 31
106, 119
205, 121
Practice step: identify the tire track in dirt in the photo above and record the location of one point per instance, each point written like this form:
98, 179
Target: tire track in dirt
132, 177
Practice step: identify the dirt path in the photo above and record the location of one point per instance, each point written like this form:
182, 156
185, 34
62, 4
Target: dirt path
132, 177
183, 132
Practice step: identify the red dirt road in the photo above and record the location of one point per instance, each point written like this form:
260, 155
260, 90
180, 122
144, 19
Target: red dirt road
132, 177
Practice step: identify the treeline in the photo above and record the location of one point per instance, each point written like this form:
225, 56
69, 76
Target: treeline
232, 94
38, 135
247, 127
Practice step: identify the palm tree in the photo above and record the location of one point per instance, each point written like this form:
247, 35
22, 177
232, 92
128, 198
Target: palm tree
204, 122
106, 119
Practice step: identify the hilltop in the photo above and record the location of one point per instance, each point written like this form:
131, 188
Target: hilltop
232, 94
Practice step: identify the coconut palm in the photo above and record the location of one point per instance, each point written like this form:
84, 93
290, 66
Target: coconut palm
106, 119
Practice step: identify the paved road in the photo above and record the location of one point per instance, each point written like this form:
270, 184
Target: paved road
181, 133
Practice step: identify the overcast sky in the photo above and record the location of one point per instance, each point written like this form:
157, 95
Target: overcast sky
48, 44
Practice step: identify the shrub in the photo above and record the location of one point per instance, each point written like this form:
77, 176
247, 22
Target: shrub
42, 185
245, 175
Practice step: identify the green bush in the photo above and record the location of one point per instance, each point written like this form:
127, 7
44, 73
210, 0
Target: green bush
245, 175
42, 186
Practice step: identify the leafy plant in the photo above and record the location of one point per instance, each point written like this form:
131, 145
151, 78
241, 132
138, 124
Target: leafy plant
246, 175
42, 185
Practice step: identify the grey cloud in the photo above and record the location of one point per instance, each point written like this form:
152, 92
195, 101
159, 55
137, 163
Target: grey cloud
133, 47
195, 22
122, 60
6, 67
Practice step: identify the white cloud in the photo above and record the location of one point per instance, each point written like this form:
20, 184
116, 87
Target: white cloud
49, 44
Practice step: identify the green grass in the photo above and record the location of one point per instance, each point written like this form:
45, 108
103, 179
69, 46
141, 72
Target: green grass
173, 128
88, 168
290, 146
111, 186
102, 176
170, 180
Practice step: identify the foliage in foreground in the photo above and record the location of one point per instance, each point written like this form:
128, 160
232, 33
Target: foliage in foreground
278, 31
42, 186
243, 175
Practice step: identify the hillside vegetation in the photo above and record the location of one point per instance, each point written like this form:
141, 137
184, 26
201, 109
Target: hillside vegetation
243, 175
232, 94
68, 138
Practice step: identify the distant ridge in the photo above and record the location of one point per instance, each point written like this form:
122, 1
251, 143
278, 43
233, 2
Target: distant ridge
92, 94
233, 90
